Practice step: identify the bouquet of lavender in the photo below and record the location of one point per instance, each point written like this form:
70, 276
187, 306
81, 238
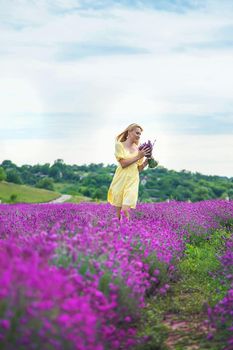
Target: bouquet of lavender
151, 161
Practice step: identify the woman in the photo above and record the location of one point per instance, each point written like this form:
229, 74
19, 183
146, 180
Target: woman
123, 191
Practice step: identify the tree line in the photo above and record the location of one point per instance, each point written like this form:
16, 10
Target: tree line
93, 180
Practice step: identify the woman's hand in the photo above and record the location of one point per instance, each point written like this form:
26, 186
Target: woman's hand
143, 165
144, 152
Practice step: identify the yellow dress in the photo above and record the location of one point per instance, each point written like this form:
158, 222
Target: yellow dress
124, 186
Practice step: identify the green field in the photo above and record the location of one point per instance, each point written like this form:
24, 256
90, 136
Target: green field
61, 187
67, 188
25, 194
79, 199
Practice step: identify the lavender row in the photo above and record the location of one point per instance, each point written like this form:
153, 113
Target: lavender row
221, 315
73, 276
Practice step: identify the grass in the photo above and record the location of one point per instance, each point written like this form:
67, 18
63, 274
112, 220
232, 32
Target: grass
61, 186
68, 188
73, 190
79, 199
176, 320
13, 193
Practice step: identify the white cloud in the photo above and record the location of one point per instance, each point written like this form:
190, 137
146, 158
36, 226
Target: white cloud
208, 154
183, 73
19, 95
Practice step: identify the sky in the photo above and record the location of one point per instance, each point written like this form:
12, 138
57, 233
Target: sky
76, 73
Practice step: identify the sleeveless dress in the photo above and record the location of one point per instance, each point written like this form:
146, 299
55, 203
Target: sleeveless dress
123, 189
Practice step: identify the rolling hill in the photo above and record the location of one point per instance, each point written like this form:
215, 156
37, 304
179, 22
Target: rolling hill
10, 192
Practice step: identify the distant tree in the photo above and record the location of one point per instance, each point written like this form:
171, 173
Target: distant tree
200, 193
28, 178
36, 169
98, 194
13, 176
55, 172
104, 191
230, 193
225, 195
182, 193
218, 190
7, 164
89, 181
93, 180
85, 191
45, 183
26, 167
2, 174
59, 163
45, 169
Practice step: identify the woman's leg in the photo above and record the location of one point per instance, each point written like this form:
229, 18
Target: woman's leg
118, 210
126, 209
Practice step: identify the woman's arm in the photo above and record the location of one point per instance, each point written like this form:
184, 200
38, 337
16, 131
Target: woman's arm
143, 165
128, 161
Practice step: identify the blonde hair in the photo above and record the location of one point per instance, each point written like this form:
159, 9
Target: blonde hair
124, 134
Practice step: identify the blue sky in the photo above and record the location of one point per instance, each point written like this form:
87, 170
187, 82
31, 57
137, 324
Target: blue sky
75, 73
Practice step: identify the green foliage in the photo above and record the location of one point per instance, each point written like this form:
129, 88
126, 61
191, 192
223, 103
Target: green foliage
55, 172
13, 176
46, 183
200, 266
2, 174
152, 329
62, 258
93, 181
25, 194
199, 284
13, 197
79, 199
228, 225
7, 164
162, 267
85, 265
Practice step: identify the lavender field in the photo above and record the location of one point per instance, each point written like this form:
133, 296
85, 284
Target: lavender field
73, 277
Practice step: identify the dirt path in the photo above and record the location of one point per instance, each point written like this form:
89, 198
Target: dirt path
178, 320
61, 199
186, 333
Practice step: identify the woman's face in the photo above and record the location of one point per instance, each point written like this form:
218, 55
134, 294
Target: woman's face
135, 134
